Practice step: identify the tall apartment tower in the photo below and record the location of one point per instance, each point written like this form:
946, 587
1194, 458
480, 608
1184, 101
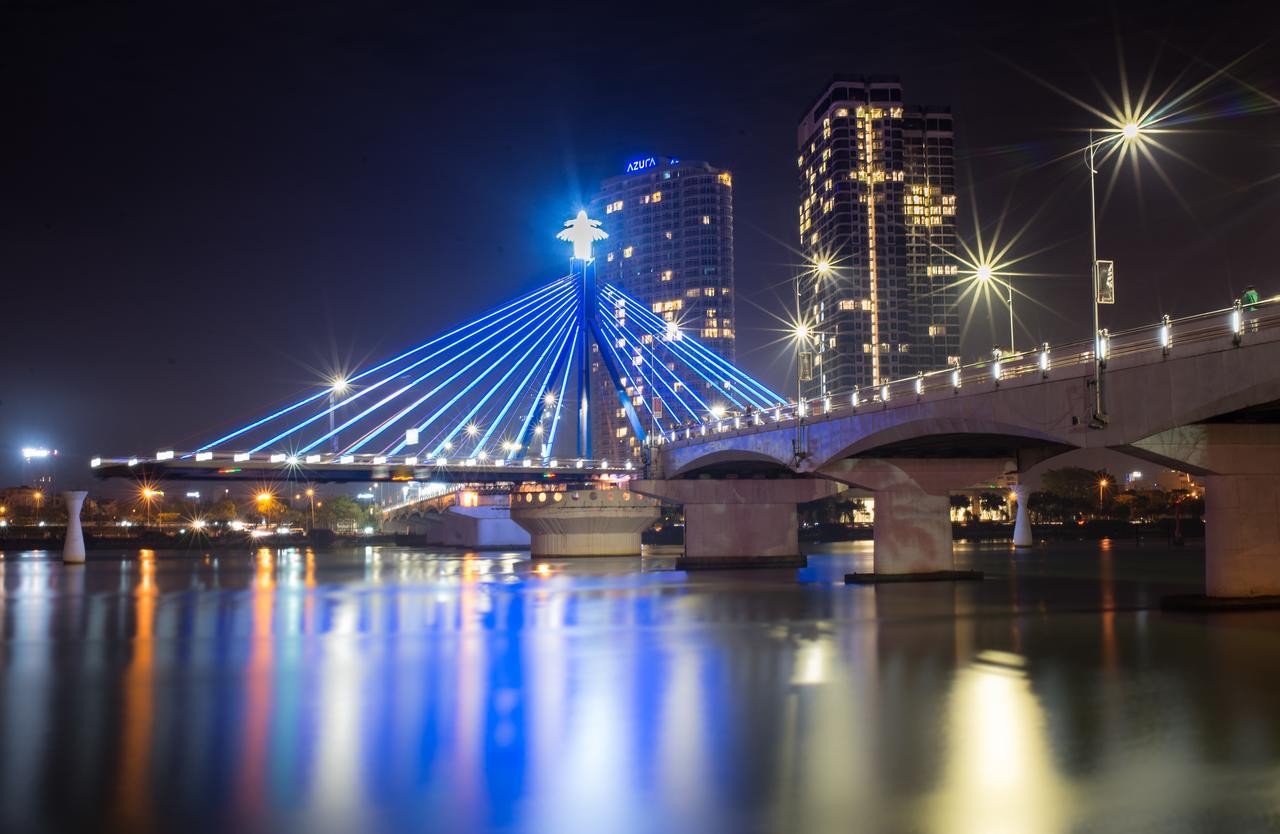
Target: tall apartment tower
878, 207
670, 246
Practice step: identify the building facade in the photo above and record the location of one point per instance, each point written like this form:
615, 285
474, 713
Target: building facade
670, 246
878, 231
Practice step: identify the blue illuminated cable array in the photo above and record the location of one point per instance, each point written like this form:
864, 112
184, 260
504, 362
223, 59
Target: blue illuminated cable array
700, 358
655, 369
462, 347
517, 337
463, 331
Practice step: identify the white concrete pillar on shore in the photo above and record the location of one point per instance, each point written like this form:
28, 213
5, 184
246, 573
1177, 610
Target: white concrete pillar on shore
73, 546
1022, 536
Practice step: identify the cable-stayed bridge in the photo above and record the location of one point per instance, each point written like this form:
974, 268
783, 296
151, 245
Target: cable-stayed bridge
489, 401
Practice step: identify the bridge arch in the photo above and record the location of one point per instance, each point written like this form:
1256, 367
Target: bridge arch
941, 437
740, 461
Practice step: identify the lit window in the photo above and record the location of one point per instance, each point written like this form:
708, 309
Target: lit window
725, 178
693, 293
656, 197
668, 235
937, 330
866, 304
848, 304
621, 432
609, 259
627, 252
706, 220
666, 275
842, 113
709, 291
612, 207
710, 333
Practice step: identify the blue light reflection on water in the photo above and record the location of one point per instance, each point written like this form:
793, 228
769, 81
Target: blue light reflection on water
380, 689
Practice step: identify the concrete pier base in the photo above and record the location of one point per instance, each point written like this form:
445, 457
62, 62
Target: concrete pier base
487, 526
73, 546
737, 523
1240, 466
912, 526
1022, 536
1242, 535
584, 523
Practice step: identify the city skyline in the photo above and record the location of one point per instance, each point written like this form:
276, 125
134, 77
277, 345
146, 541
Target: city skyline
319, 228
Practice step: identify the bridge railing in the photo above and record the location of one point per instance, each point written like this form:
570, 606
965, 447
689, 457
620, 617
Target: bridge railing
1237, 323
231, 460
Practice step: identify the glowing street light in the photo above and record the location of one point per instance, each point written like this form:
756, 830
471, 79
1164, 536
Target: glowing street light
148, 496
988, 274
337, 386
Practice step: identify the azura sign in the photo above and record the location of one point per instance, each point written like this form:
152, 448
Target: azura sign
641, 164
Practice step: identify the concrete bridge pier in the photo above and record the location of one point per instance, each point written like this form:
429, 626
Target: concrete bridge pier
1240, 466
912, 526
484, 524
584, 522
736, 523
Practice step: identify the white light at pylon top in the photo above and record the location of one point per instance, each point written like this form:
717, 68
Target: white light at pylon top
582, 231
1130, 130
983, 273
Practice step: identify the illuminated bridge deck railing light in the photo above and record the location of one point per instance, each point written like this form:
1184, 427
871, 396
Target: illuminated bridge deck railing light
284, 463
1234, 324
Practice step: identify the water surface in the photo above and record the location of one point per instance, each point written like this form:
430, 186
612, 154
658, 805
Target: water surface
380, 689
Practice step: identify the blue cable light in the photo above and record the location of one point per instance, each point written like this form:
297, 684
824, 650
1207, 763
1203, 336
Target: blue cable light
562, 303
326, 391
530, 331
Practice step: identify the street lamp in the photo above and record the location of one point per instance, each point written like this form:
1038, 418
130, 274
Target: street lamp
1102, 484
148, 495
1128, 132
311, 497
337, 386
986, 274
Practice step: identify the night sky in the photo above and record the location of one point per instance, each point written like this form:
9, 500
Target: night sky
204, 207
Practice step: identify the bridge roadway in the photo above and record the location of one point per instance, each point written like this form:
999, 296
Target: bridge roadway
262, 466
1200, 394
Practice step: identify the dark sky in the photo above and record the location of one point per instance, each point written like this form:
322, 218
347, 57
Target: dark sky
203, 206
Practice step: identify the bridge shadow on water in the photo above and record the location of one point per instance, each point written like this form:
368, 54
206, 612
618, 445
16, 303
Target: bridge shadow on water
383, 688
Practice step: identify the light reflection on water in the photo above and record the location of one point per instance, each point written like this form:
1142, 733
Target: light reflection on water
380, 689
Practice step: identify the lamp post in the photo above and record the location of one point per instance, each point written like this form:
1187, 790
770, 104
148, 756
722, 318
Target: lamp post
338, 386
1128, 132
986, 274
311, 497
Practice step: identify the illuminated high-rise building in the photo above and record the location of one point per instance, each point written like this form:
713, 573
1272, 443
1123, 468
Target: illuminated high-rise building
877, 227
670, 246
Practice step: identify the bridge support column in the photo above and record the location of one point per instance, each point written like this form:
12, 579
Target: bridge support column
737, 523
1022, 521
485, 526
73, 545
912, 525
602, 522
1240, 466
